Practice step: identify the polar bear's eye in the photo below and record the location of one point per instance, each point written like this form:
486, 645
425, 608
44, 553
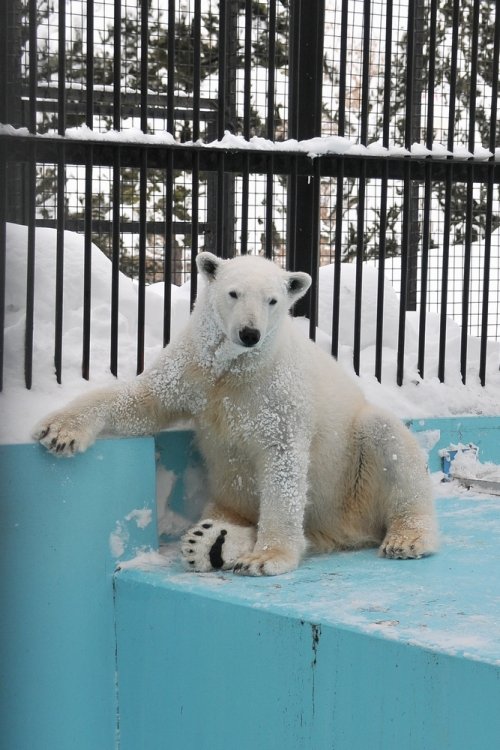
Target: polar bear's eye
234, 295
273, 301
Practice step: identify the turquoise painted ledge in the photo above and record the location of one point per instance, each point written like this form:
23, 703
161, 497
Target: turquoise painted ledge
63, 527
349, 651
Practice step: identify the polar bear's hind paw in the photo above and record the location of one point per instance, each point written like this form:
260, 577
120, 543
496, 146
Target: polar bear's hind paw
215, 545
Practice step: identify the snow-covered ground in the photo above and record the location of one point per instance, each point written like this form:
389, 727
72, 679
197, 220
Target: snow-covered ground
20, 409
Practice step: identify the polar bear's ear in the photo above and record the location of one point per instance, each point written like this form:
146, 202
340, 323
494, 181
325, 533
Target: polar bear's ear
297, 284
208, 263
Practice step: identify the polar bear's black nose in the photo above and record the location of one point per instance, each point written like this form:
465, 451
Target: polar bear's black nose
249, 336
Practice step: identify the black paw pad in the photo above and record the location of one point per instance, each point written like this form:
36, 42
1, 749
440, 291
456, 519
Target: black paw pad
215, 553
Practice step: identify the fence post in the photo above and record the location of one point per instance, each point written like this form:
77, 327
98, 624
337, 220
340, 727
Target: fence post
307, 22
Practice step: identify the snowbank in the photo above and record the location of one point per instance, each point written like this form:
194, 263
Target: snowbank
21, 408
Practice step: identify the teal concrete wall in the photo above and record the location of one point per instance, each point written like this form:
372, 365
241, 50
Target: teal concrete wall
167, 658
57, 639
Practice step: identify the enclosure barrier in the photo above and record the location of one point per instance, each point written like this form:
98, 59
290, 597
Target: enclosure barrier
373, 80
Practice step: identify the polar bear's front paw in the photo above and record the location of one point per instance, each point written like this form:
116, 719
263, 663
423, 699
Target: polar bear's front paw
63, 435
409, 543
267, 562
215, 545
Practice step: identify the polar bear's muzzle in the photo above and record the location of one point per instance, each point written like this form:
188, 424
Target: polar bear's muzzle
249, 336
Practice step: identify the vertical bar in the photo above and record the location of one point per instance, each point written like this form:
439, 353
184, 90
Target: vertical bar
221, 249
379, 337
171, 68
269, 206
87, 264
405, 251
387, 74
444, 271
271, 71
245, 178
291, 245
424, 268
315, 249
60, 220
195, 174
117, 65
33, 72
410, 74
3, 248
168, 254
489, 197
431, 79
343, 68
30, 269
141, 292
89, 63
247, 69
115, 259
87, 247
196, 69
365, 84
61, 85
360, 252
195, 186
339, 215
247, 90
221, 96
144, 66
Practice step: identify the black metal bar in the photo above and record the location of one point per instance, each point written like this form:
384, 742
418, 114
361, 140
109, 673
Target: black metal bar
410, 75
339, 214
424, 271
365, 82
271, 70
245, 185
431, 76
387, 74
221, 94
219, 241
247, 70
115, 261
379, 337
195, 226
343, 67
196, 69
61, 65
89, 64
168, 254
30, 270
269, 208
360, 256
314, 251
444, 273
33, 71
59, 301
117, 65
403, 294
3, 251
144, 65
87, 267
453, 74
489, 197
466, 276
171, 68
291, 233
141, 291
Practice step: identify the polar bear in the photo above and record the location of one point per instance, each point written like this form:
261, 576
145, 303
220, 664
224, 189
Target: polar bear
297, 459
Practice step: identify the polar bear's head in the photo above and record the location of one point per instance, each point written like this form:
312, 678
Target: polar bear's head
250, 295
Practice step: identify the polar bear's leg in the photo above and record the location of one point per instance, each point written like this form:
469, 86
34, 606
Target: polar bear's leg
404, 492
215, 544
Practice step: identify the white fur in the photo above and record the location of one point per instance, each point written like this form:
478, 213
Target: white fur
295, 454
